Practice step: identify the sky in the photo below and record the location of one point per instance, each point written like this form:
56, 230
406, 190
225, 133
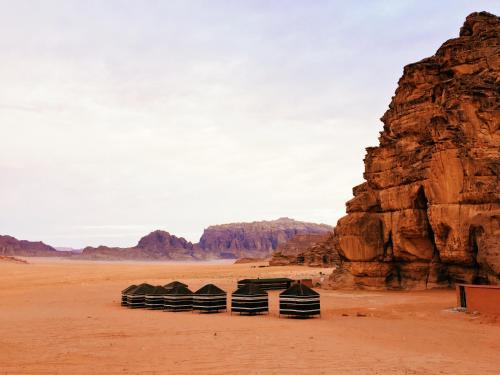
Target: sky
121, 117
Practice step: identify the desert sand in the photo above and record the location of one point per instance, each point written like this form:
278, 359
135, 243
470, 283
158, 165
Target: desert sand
64, 317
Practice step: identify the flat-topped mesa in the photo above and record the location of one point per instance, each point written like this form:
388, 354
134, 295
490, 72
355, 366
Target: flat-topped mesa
428, 213
257, 239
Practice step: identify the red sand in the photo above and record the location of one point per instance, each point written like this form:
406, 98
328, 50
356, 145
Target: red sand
61, 316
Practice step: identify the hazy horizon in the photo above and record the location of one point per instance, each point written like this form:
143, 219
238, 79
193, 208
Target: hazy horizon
121, 117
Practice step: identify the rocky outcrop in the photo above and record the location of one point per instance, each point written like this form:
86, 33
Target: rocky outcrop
314, 250
158, 245
428, 213
10, 246
254, 240
10, 259
248, 260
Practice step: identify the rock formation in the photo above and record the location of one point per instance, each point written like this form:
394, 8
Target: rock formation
313, 250
228, 241
158, 245
258, 239
12, 246
428, 213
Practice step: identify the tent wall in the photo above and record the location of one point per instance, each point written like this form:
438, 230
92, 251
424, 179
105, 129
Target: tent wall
178, 302
300, 305
249, 304
209, 303
267, 284
154, 302
136, 301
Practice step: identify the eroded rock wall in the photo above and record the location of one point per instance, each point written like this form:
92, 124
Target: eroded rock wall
428, 213
306, 249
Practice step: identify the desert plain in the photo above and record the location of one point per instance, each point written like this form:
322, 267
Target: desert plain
64, 317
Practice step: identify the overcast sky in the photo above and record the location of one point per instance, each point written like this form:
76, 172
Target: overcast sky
121, 117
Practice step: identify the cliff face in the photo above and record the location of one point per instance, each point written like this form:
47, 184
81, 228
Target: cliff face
257, 240
428, 213
158, 245
12, 246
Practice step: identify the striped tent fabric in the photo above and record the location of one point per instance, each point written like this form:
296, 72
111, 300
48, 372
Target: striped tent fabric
299, 300
154, 298
124, 294
179, 298
173, 284
268, 284
249, 299
136, 298
209, 298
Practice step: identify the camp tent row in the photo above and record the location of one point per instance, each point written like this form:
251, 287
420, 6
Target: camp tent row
298, 300
175, 296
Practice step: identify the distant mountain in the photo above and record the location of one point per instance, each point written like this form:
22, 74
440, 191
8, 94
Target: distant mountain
10, 246
69, 249
258, 239
158, 245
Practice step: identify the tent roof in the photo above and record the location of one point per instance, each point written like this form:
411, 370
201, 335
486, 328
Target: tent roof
179, 290
299, 290
174, 284
158, 291
129, 288
210, 289
270, 280
250, 290
142, 289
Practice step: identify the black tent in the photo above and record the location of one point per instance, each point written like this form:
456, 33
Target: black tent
179, 298
124, 294
137, 297
249, 299
299, 300
209, 298
173, 284
154, 298
268, 284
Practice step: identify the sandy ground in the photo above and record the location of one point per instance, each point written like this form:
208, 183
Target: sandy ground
64, 317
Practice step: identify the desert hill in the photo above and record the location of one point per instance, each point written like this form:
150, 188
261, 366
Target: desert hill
157, 245
10, 246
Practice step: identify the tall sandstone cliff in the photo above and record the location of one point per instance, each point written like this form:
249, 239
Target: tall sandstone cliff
429, 212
